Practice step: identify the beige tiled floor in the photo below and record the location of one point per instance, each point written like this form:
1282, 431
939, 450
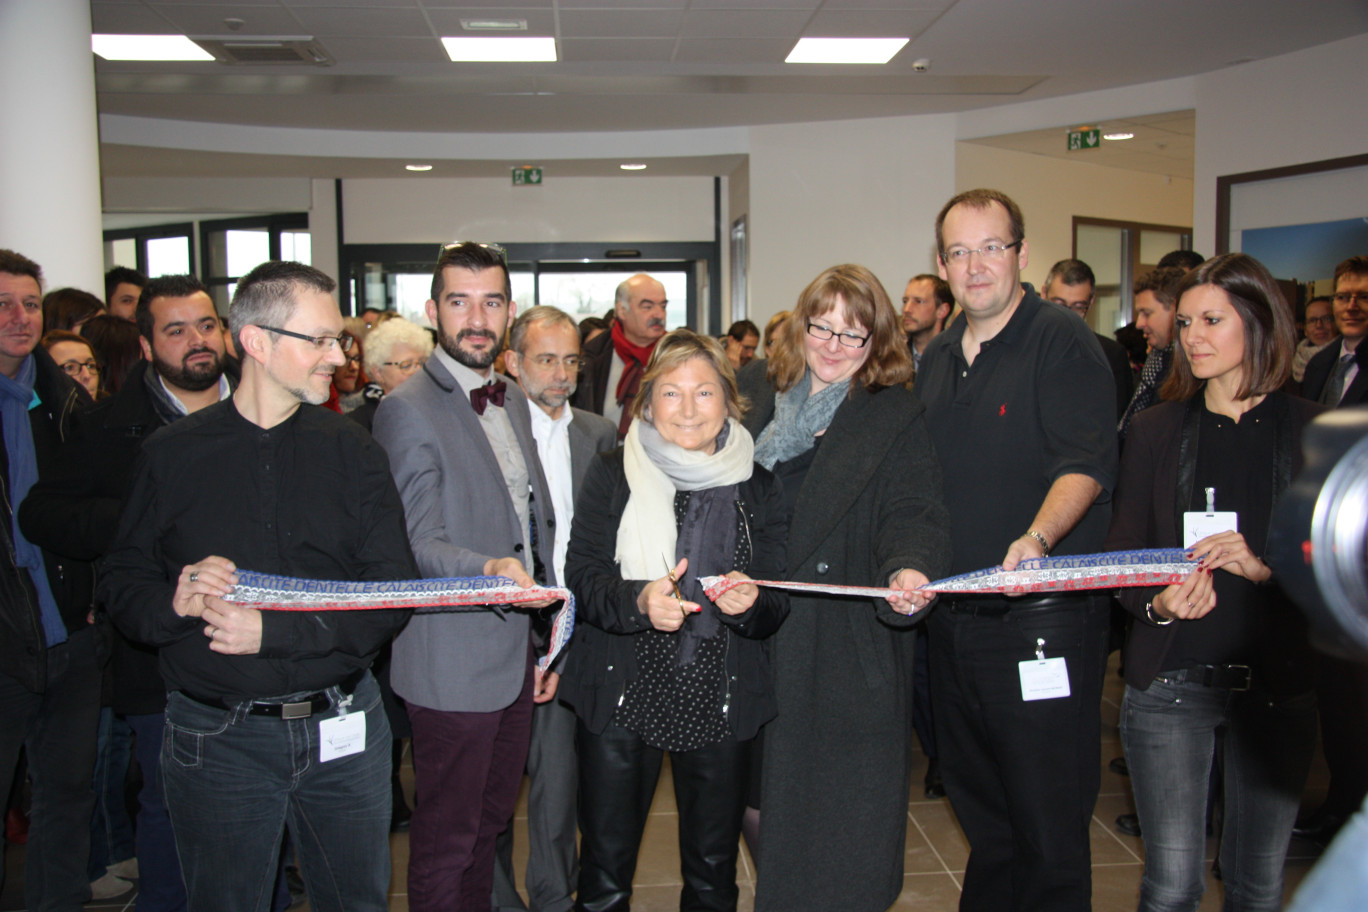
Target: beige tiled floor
935, 855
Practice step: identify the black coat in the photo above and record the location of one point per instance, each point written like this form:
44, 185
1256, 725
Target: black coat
1322, 365
837, 759
597, 360
23, 650
74, 511
602, 661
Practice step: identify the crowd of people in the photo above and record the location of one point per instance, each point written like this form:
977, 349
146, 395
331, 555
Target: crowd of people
153, 453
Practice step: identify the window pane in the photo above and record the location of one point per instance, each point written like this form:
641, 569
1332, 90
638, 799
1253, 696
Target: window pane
167, 256
1154, 244
583, 294
296, 245
246, 249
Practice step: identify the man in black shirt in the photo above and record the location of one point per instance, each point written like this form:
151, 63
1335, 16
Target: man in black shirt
273, 716
1021, 407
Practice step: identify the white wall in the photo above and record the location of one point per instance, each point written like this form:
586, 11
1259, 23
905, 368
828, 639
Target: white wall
587, 209
1051, 191
1296, 108
848, 192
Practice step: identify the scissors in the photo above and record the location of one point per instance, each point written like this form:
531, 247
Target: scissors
669, 572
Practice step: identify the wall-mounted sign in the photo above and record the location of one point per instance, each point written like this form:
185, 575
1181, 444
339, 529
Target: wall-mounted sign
525, 175
1084, 139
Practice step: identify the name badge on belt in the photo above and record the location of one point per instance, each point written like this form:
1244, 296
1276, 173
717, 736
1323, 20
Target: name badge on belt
343, 734
1042, 678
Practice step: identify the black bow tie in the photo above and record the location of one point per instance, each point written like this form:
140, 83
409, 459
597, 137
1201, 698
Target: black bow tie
492, 393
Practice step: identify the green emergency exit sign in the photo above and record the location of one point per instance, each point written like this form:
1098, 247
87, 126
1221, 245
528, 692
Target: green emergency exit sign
1084, 139
525, 175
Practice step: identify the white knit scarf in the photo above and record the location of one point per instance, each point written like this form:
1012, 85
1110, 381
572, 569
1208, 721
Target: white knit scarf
656, 469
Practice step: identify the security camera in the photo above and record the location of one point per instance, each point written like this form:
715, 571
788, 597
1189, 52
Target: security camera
922, 65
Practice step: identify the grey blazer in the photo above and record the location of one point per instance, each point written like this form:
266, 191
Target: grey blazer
459, 516
590, 435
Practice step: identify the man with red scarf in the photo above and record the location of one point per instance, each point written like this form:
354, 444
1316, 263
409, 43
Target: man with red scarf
614, 362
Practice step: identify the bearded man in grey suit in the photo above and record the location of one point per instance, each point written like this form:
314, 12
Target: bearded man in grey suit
544, 357
476, 502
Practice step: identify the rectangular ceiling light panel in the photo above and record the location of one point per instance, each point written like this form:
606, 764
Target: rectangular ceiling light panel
500, 50
845, 50
147, 47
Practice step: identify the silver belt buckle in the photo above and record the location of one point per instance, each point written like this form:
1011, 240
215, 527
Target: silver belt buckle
296, 710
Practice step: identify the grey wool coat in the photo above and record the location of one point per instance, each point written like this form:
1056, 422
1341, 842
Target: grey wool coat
837, 758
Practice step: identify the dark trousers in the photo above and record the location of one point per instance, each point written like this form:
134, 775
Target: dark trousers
111, 830
1342, 692
618, 776
1022, 776
160, 887
552, 784
57, 728
467, 768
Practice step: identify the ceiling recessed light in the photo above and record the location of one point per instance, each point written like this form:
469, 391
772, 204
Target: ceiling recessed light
845, 50
494, 25
1117, 137
417, 167
633, 166
147, 47
501, 50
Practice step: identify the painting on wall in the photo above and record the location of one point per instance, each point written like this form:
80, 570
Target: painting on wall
1306, 253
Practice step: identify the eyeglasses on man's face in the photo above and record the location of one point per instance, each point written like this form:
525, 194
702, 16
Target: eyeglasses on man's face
1325, 320
571, 363
847, 338
959, 256
322, 343
1352, 297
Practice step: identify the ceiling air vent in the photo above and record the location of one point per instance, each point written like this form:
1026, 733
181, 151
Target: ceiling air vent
263, 50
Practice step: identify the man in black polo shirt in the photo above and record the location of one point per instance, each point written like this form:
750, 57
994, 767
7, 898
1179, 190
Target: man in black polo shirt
1021, 406
273, 715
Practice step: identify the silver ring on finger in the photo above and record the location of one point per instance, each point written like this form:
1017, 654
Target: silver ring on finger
1190, 605
194, 576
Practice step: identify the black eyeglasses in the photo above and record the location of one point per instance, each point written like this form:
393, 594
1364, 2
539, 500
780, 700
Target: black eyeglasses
492, 248
1352, 297
72, 368
322, 343
848, 339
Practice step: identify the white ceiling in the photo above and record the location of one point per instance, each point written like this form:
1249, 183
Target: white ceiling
637, 65
1162, 144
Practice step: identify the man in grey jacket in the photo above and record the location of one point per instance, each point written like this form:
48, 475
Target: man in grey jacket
476, 502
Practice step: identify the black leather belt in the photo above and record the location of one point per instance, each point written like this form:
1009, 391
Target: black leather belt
1227, 677
301, 707
997, 606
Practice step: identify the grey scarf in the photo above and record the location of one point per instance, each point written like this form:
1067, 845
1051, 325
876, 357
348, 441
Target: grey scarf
798, 418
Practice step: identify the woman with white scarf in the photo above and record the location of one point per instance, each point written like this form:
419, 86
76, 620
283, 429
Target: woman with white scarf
656, 666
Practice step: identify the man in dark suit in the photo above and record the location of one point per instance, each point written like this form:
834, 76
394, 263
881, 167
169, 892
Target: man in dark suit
615, 360
1071, 284
544, 356
477, 504
1338, 375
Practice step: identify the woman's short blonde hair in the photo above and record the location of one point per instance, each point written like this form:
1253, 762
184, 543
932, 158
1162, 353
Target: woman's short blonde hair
671, 352
383, 337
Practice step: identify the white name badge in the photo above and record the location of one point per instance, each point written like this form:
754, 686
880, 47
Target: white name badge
1044, 679
1197, 526
341, 736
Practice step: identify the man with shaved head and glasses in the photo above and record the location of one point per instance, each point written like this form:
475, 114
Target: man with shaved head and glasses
1021, 407
273, 717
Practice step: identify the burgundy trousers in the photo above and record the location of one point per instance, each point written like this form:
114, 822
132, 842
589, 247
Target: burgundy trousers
467, 768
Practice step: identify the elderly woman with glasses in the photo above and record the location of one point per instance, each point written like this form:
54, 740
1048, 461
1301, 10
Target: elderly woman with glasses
862, 493
656, 666
396, 349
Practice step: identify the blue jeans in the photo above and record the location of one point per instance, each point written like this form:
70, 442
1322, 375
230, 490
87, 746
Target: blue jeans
160, 888
233, 780
111, 832
1169, 735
